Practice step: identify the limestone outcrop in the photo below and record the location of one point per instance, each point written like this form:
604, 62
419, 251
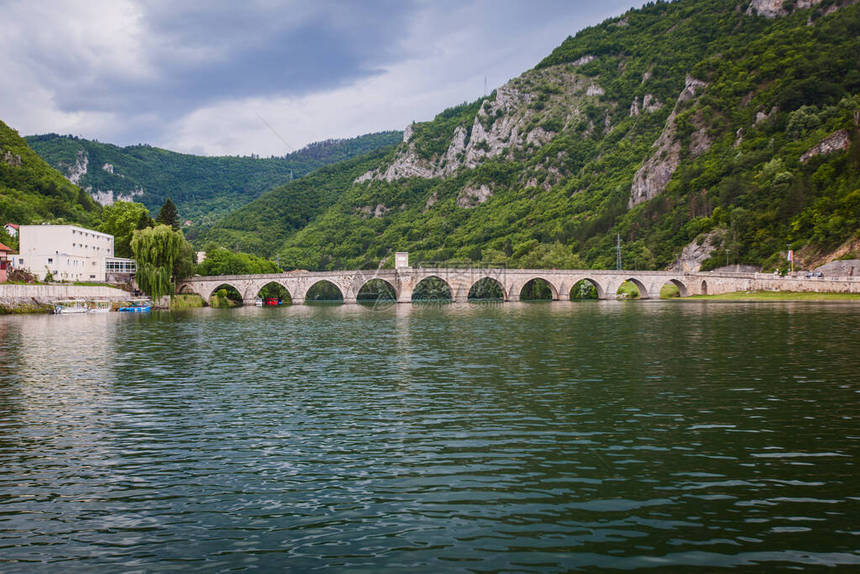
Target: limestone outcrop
109, 197
12, 159
513, 119
651, 179
696, 252
473, 196
79, 169
774, 8
837, 141
649, 105
368, 211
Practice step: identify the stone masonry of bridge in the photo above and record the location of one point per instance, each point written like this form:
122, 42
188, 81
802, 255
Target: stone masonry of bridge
460, 280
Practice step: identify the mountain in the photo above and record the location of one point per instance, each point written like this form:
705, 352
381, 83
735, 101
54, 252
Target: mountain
262, 226
700, 132
203, 188
31, 191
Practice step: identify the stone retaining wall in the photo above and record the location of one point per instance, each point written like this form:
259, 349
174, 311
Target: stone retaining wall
12, 296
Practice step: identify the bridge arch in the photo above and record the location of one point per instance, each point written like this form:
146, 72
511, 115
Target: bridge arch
678, 284
186, 289
432, 288
538, 288
273, 289
233, 292
324, 291
580, 287
487, 288
643, 291
374, 290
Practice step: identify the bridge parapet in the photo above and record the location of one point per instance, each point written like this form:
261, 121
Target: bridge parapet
460, 280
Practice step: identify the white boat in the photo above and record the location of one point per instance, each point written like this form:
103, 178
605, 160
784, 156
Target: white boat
100, 307
258, 302
70, 306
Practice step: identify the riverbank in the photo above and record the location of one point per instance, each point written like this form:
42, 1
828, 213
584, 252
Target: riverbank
777, 296
29, 298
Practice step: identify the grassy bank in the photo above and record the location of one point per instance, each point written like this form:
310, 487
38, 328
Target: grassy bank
26, 308
182, 302
779, 296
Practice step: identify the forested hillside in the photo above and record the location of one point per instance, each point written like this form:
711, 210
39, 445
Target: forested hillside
203, 188
31, 191
263, 225
701, 131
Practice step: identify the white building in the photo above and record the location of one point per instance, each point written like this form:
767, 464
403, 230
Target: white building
70, 253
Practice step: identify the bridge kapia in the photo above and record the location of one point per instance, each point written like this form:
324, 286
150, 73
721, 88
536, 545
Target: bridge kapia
405, 280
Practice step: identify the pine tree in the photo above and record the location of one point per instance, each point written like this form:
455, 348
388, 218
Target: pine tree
168, 215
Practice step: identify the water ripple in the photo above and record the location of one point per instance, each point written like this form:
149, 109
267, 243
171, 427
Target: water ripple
501, 438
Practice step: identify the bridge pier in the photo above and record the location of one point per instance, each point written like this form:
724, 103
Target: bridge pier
349, 300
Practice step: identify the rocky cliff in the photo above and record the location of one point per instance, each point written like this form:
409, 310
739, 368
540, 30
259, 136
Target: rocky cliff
651, 179
526, 113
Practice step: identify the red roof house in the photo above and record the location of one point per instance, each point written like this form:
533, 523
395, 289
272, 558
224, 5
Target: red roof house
4, 261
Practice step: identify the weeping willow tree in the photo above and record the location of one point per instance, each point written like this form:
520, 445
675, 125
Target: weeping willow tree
160, 255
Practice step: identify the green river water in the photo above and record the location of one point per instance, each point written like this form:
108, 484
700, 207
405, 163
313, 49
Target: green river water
673, 436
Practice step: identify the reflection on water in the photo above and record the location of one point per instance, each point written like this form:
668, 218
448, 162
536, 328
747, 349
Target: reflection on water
459, 438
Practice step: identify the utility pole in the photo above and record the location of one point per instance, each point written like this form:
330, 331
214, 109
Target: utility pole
618, 252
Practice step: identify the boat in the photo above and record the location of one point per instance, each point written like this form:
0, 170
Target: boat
258, 302
137, 306
69, 306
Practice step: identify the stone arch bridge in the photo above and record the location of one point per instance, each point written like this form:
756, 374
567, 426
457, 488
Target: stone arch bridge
460, 280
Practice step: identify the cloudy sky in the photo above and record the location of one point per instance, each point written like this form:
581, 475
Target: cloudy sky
264, 76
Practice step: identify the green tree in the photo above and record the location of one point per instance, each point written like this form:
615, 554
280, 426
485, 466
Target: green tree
162, 257
145, 220
222, 261
168, 215
121, 220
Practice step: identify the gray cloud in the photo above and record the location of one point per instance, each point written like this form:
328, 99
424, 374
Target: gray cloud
161, 72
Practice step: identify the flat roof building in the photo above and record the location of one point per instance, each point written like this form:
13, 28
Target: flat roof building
69, 253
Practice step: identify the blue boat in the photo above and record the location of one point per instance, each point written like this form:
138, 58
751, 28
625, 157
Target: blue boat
137, 307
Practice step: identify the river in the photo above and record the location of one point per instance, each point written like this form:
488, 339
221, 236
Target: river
463, 438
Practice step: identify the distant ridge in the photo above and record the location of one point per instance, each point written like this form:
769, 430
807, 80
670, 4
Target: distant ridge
203, 188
